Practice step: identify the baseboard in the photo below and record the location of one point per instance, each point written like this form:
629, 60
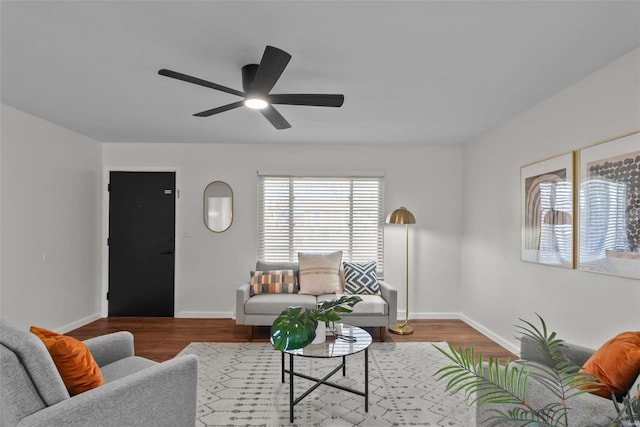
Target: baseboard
491, 335
475, 325
75, 325
205, 314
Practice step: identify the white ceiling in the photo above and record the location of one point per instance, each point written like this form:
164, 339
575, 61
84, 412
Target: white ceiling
424, 72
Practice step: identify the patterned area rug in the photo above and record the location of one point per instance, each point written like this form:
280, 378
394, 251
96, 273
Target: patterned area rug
240, 384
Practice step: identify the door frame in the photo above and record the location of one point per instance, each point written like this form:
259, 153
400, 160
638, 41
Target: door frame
104, 303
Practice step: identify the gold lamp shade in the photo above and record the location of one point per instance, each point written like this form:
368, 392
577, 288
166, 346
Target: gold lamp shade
401, 215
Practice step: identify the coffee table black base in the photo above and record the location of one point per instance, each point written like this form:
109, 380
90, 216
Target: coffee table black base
319, 381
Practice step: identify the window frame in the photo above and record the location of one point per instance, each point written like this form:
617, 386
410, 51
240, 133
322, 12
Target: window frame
357, 250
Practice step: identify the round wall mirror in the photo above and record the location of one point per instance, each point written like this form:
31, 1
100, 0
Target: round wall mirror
218, 206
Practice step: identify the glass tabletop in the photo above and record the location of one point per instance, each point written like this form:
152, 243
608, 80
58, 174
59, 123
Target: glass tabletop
346, 340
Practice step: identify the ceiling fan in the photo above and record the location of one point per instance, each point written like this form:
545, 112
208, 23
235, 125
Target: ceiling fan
257, 82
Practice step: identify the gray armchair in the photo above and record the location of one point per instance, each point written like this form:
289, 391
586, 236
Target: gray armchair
137, 391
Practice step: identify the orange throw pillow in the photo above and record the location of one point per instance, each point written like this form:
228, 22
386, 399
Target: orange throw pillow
76, 365
616, 364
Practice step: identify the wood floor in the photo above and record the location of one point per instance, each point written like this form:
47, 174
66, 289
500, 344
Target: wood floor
161, 339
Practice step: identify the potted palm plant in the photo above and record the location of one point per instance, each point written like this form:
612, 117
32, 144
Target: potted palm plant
296, 326
492, 383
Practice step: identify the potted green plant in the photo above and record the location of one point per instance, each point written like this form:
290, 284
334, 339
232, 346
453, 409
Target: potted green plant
492, 383
296, 326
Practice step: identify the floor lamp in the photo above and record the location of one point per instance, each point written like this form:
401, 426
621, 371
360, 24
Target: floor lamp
403, 216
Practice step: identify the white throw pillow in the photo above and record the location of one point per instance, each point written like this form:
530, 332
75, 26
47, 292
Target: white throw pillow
319, 273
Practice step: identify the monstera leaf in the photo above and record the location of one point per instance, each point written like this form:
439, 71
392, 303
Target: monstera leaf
296, 326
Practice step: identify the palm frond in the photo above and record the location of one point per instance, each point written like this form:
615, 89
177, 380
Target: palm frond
520, 417
547, 342
483, 383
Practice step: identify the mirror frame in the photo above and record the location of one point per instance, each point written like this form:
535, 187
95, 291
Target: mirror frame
205, 206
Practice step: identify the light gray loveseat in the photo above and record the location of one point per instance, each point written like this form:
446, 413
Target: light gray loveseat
261, 310
137, 391
585, 409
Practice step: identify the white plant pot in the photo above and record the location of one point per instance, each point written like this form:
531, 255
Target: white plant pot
321, 333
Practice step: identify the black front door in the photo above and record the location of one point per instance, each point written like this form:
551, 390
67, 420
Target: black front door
141, 243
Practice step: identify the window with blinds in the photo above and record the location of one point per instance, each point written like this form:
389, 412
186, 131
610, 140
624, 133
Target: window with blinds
320, 214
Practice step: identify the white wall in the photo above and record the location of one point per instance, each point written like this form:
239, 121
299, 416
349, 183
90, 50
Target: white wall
210, 266
497, 287
50, 253
53, 203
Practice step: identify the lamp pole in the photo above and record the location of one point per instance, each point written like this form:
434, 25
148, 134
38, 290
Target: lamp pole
406, 276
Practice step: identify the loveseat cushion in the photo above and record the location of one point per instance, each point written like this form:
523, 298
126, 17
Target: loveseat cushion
267, 266
370, 304
277, 303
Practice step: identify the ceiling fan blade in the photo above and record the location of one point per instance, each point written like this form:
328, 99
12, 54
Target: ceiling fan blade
275, 118
272, 64
311, 99
197, 81
222, 109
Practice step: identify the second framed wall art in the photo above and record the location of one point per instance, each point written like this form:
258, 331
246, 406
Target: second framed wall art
609, 207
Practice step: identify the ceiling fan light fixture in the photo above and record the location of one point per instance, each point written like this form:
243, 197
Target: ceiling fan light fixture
257, 82
256, 103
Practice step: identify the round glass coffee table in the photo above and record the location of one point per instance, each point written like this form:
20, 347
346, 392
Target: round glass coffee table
346, 341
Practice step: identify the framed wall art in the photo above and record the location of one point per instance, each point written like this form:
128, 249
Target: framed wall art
547, 212
609, 207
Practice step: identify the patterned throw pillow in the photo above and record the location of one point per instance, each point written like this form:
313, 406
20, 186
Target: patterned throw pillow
272, 282
361, 278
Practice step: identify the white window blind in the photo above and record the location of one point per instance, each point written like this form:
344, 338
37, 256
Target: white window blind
320, 214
